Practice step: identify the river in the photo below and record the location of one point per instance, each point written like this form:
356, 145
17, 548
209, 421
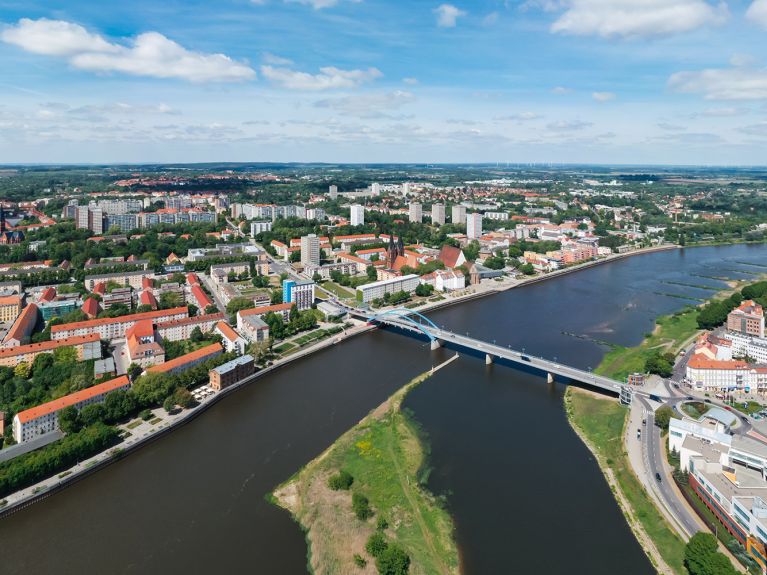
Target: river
526, 495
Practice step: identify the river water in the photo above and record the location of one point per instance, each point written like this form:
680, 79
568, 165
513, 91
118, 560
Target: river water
526, 495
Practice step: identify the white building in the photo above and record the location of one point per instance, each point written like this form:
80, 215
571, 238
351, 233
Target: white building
230, 339
474, 226
445, 280
458, 214
502, 216
310, 250
357, 215
32, 423
258, 227
438, 214
415, 213
747, 346
253, 328
368, 292
716, 375
333, 192
375, 189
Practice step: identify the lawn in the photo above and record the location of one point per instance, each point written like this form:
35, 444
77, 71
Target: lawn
602, 421
695, 408
751, 407
134, 424
341, 292
672, 333
282, 348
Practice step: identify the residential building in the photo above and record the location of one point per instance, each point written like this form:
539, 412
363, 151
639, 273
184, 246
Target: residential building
445, 280
747, 318
310, 250
458, 214
747, 346
259, 227
231, 372
200, 298
118, 296
230, 339
717, 375
143, 346
220, 273
347, 268
357, 215
10, 307
32, 423
333, 192
189, 360
375, 189
181, 329
22, 328
86, 347
474, 226
280, 308
451, 256
252, 327
375, 290
132, 279
112, 328
415, 213
438, 214
300, 293
501, 216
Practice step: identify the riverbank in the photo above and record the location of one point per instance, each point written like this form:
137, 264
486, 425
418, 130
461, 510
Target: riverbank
600, 423
384, 456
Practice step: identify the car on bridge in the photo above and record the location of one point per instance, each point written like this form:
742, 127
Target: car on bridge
524, 358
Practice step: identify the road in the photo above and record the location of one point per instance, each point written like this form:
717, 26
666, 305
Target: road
652, 452
205, 279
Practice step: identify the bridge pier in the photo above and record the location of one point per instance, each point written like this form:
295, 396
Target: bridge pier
549, 377
488, 359
435, 344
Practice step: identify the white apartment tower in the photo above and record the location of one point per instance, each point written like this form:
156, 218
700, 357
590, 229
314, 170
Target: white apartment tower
310, 250
458, 215
415, 213
357, 215
333, 192
474, 226
438, 214
375, 189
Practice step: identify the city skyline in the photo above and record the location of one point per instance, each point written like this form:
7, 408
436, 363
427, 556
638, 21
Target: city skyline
571, 81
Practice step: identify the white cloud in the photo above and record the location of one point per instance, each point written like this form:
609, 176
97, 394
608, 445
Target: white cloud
560, 90
723, 83
759, 129
568, 126
329, 78
757, 13
603, 96
490, 19
410, 81
269, 58
151, 54
447, 15
368, 105
637, 18
317, 4
726, 112
518, 117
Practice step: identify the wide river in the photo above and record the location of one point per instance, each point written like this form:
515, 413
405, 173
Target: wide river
526, 495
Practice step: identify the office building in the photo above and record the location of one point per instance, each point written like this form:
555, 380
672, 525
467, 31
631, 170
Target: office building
415, 213
310, 250
474, 226
438, 214
748, 318
357, 215
458, 214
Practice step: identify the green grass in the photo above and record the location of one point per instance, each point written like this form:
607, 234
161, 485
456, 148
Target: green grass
752, 407
671, 334
385, 455
602, 422
134, 424
695, 408
282, 348
341, 292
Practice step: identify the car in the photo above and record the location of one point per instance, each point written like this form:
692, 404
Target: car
657, 477
744, 418
728, 408
655, 398
524, 358
644, 422
707, 400
689, 397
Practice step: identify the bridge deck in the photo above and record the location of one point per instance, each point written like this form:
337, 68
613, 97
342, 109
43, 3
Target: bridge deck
512, 355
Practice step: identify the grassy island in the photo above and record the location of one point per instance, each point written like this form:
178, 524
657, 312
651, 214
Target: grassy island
363, 505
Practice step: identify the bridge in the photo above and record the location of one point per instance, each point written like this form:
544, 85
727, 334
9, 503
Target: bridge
410, 320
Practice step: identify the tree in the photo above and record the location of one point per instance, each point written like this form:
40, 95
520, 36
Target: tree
361, 506
295, 257
197, 335
276, 296
376, 544
294, 315
495, 263
424, 290
701, 556
69, 420
170, 300
662, 417
527, 269
341, 481
260, 281
192, 309
169, 404
660, 365
393, 561
91, 414
239, 303
183, 397
316, 277
471, 251
371, 273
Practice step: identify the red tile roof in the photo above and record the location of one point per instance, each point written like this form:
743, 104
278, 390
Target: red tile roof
72, 399
120, 319
91, 307
278, 308
44, 346
24, 324
227, 331
48, 295
203, 301
196, 355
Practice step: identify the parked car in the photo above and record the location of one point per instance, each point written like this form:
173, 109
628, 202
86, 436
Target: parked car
657, 477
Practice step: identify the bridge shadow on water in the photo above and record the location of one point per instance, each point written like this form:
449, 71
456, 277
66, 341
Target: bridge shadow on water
425, 342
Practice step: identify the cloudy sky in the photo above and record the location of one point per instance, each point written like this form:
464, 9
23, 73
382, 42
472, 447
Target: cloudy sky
600, 81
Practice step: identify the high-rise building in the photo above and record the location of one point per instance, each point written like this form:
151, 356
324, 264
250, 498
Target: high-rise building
438, 214
458, 215
415, 213
333, 192
474, 226
375, 189
406, 189
310, 249
81, 217
300, 293
357, 215
96, 220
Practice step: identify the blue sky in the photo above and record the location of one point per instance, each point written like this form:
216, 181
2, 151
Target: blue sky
602, 81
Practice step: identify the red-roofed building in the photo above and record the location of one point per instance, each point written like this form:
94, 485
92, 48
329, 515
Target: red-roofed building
143, 348
188, 360
231, 340
100, 288
87, 347
147, 283
114, 327
49, 294
200, 297
747, 318
192, 279
283, 308
91, 308
451, 256
23, 327
34, 422
147, 298
181, 329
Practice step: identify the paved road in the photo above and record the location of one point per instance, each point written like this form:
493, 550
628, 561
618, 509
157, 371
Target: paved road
653, 458
204, 278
